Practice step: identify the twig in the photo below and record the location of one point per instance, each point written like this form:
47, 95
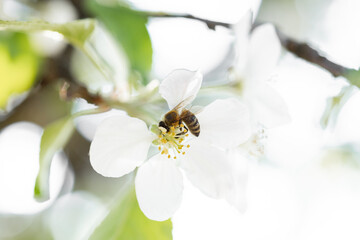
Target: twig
304, 51
210, 24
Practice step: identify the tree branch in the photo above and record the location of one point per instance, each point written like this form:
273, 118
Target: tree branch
300, 49
306, 52
210, 24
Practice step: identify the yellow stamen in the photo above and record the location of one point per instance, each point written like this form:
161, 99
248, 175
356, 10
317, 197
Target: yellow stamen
183, 153
159, 148
181, 125
169, 156
186, 135
188, 146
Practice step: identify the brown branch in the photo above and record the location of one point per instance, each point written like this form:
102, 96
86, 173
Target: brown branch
72, 90
300, 49
306, 52
210, 24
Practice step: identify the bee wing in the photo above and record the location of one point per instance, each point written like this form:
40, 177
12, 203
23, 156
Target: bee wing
183, 103
196, 109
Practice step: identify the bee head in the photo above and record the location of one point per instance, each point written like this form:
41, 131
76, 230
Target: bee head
163, 125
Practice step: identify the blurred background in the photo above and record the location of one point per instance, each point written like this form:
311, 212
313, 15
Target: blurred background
307, 184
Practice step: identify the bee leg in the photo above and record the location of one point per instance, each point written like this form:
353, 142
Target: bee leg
181, 129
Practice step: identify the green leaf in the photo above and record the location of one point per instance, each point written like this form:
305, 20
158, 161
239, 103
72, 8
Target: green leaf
18, 66
334, 105
126, 221
353, 76
76, 32
129, 29
55, 136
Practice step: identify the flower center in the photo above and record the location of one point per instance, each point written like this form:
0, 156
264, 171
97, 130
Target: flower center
171, 141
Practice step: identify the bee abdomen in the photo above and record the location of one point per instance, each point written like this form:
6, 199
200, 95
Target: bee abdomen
193, 124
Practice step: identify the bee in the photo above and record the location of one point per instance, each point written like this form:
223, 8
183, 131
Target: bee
179, 115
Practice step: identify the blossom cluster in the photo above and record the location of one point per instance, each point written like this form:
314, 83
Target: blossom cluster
206, 146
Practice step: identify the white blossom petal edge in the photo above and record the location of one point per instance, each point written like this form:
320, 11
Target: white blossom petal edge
159, 186
179, 85
258, 55
113, 152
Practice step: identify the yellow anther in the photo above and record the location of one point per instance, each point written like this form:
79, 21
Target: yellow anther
181, 146
172, 128
159, 148
174, 157
181, 125
188, 146
183, 153
169, 156
163, 152
180, 140
186, 135
163, 140
185, 130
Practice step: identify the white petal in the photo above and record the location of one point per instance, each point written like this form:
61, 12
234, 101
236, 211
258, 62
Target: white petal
255, 6
87, 124
264, 52
207, 168
268, 107
120, 144
159, 187
241, 30
236, 194
225, 123
179, 85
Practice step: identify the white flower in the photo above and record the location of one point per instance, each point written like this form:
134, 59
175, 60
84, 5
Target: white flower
122, 143
257, 56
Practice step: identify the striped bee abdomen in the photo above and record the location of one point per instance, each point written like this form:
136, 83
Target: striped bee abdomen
191, 122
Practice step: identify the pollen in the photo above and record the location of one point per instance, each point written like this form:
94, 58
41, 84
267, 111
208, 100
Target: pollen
171, 140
